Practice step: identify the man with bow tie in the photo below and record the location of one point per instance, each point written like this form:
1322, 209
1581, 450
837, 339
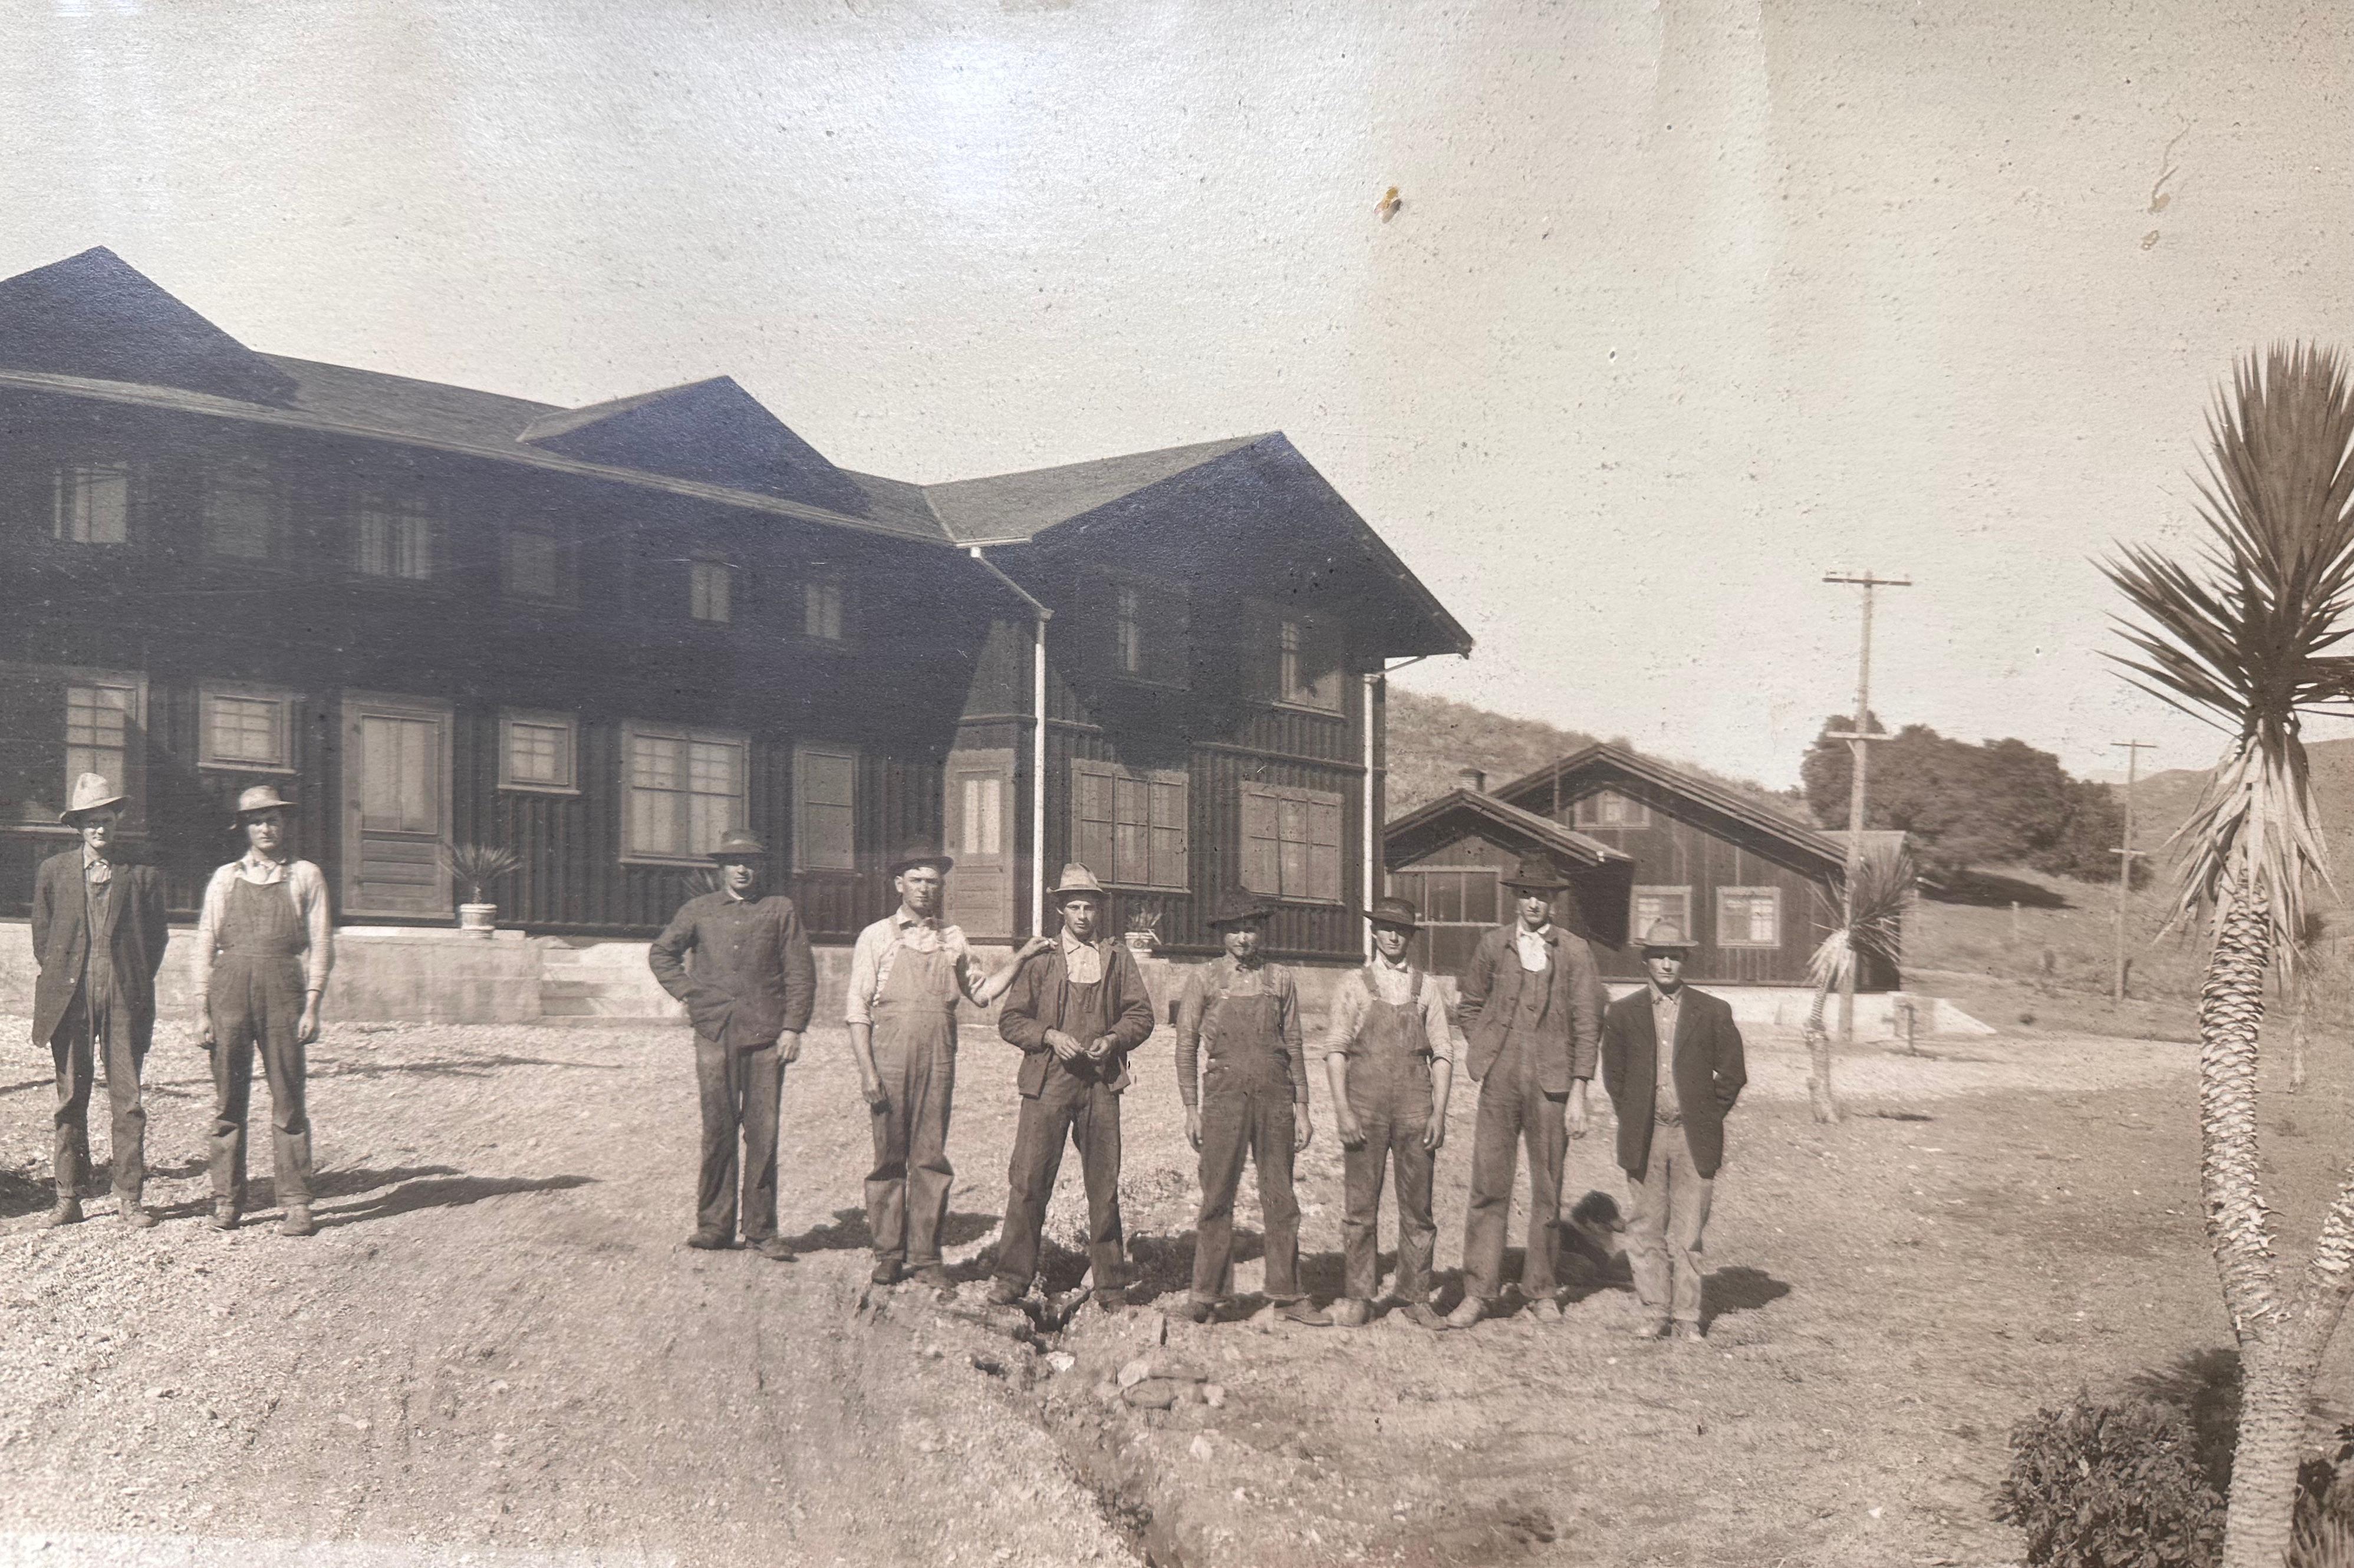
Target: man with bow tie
98, 936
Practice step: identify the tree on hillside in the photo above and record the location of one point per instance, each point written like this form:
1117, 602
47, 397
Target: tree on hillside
2242, 633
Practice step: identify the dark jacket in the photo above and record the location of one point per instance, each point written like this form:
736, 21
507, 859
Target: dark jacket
61, 941
1490, 992
1034, 1004
1708, 1067
753, 978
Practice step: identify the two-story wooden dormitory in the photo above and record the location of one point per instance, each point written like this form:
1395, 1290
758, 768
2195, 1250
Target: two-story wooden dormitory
1750, 885
602, 636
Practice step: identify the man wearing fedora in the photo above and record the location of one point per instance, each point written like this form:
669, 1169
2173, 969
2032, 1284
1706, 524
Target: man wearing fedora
1671, 1060
1241, 1072
1075, 1014
908, 972
265, 944
749, 988
98, 936
1530, 1005
1390, 1054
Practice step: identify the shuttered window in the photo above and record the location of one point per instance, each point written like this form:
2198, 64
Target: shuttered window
686, 789
1128, 825
536, 565
1308, 664
93, 503
822, 615
1149, 638
1291, 843
395, 539
826, 809
709, 585
242, 512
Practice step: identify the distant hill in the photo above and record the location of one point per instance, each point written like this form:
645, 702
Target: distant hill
1432, 740
2163, 801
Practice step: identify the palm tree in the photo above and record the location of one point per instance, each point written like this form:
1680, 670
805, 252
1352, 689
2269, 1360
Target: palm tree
1870, 914
2241, 634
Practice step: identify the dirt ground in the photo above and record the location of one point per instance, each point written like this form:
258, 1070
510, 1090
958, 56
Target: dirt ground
498, 1352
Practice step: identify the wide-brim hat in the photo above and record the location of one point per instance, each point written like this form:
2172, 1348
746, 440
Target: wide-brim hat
738, 844
1238, 910
1667, 934
90, 792
1395, 912
260, 798
1077, 882
1538, 873
922, 854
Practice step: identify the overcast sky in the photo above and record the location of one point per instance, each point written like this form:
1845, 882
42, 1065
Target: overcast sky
1686, 304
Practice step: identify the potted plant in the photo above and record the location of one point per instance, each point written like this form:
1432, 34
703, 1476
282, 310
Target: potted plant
1144, 931
476, 866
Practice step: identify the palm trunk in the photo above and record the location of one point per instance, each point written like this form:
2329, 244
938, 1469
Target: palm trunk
1818, 1060
2297, 1042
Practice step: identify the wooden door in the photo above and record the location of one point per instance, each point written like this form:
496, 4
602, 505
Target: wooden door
980, 816
395, 806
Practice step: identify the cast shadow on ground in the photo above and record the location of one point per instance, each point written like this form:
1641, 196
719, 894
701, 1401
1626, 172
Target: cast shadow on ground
2205, 1386
1985, 888
262, 1192
450, 1066
848, 1233
21, 1194
444, 1192
1738, 1289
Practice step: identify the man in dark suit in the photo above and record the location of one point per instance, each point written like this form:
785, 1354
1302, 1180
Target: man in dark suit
1531, 1009
748, 994
98, 936
1671, 1106
1076, 1013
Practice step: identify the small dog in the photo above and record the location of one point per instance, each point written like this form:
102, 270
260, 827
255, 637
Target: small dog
1594, 1232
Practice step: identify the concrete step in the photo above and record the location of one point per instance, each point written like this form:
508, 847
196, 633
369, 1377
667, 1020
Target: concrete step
617, 1007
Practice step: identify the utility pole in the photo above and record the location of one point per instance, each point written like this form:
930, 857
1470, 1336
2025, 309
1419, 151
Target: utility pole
1858, 744
2132, 750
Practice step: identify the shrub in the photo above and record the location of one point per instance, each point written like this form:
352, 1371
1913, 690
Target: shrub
2111, 1486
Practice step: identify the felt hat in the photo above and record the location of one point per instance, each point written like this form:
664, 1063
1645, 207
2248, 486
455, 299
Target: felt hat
922, 854
1667, 934
90, 792
735, 843
1077, 882
1237, 908
1395, 912
1538, 874
260, 798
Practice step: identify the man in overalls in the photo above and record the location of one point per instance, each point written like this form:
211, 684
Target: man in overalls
908, 972
1532, 1008
265, 943
1075, 1014
1243, 1075
1390, 1055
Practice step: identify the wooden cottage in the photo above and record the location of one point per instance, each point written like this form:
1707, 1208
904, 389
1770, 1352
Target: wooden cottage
604, 635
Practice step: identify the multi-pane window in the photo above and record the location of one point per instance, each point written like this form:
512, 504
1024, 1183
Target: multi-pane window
100, 717
1142, 630
1609, 809
536, 752
92, 504
686, 789
1308, 665
982, 820
1128, 631
1748, 917
826, 809
708, 589
396, 539
1653, 905
1128, 825
536, 565
1291, 843
242, 507
821, 615
245, 729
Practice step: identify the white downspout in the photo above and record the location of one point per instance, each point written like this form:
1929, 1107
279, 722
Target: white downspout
1041, 615
1372, 851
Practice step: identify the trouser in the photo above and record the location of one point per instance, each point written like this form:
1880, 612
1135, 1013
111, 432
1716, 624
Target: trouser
257, 1005
1663, 1234
741, 1091
1393, 1116
907, 1190
1073, 1109
1512, 1111
81, 1041
1256, 1124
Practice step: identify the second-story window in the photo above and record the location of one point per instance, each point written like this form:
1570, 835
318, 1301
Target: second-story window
242, 508
1128, 631
395, 539
1308, 665
536, 565
93, 503
822, 606
710, 590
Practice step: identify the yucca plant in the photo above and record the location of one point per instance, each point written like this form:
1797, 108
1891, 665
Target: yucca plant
476, 866
1870, 914
2242, 633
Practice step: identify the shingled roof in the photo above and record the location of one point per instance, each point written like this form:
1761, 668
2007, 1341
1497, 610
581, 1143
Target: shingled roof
1603, 761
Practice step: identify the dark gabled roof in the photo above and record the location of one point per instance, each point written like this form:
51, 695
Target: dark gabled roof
1602, 761
1010, 508
1436, 823
711, 429
95, 314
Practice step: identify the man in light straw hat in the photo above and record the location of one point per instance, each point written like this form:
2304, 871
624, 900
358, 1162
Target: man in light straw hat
265, 944
1391, 1055
908, 972
98, 936
749, 989
1671, 1060
1075, 1014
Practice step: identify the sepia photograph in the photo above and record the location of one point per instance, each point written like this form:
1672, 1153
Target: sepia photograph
1176, 784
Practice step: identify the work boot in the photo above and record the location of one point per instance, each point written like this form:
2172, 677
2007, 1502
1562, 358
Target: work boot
933, 1276
224, 1214
1423, 1315
1468, 1313
1111, 1300
886, 1272
775, 1249
707, 1240
66, 1212
135, 1215
1651, 1327
1194, 1310
297, 1222
1685, 1333
1350, 1313
1547, 1309
1005, 1293
1303, 1312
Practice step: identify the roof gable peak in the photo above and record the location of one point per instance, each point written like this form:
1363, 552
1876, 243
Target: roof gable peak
95, 315
711, 431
